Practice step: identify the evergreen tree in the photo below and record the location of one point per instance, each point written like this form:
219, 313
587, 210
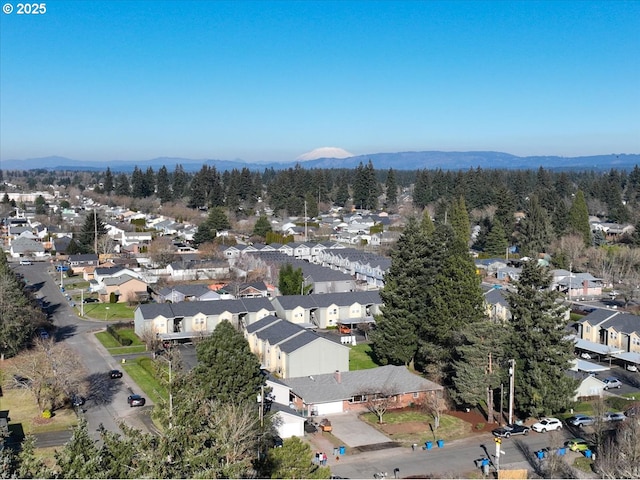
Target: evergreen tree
262, 226
123, 188
579, 218
391, 187
395, 339
538, 344
138, 183
163, 185
365, 187
496, 242
290, 280
478, 371
180, 181
454, 300
534, 231
227, 370
460, 220
293, 460
215, 222
108, 181
79, 457
342, 193
93, 225
41, 205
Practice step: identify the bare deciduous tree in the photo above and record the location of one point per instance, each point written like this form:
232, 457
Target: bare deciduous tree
51, 371
435, 404
619, 457
378, 401
162, 251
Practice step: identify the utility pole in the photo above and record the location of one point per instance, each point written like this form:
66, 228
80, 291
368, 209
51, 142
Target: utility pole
95, 232
512, 374
490, 393
501, 403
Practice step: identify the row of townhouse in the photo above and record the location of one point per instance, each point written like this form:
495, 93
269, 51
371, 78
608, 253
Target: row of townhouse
363, 266
330, 309
610, 332
308, 251
315, 311
184, 320
316, 279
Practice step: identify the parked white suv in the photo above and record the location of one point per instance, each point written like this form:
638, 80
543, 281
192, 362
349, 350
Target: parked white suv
26, 262
547, 425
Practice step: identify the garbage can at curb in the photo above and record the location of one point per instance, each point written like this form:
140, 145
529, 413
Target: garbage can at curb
342, 449
428, 445
336, 450
440, 443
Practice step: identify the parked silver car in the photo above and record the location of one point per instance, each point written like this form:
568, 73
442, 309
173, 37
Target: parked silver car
612, 382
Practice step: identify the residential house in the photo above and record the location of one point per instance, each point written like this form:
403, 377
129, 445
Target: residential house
79, 263
125, 288
509, 274
26, 247
183, 320
198, 270
496, 305
186, 293
289, 350
589, 386
330, 309
339, 392
576, 285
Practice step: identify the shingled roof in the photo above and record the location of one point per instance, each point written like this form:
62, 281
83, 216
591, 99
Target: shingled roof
345, 385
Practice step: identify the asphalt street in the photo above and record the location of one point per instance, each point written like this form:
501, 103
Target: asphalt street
107, 398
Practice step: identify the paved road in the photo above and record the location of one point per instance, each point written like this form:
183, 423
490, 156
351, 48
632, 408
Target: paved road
454, 459
107, 398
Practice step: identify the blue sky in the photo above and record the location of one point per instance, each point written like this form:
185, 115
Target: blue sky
134, 80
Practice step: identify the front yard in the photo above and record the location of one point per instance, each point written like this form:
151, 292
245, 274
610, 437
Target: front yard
409, 426
26, 418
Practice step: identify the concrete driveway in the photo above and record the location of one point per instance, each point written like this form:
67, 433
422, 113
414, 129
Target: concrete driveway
354, 432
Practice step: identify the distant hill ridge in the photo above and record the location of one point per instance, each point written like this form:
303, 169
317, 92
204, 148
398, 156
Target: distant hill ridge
381, 161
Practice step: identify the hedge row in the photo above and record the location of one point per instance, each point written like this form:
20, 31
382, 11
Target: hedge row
125, 342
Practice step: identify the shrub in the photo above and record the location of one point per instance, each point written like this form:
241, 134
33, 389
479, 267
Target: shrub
46, 413
479, 426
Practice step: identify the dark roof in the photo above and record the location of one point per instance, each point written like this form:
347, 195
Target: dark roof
623, 323
186, 290
216, 307
262, 323
84, 257
299, 341
279, 331
598, 316
289, 302
496, 296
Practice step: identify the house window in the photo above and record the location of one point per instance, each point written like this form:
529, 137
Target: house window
358, 399
416, 394
588, 329
278, 354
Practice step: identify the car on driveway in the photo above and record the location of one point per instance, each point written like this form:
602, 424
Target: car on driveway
547, 425
580, 420
115, 374
136, 401
612, 382
577, 445
511, 429
613, 417
90, 300
62, 268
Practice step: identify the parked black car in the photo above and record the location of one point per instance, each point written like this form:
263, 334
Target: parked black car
115, 374
91, 300
511, 429
78, 400
136, 401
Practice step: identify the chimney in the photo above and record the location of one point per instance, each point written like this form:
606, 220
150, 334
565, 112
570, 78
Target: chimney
337, 376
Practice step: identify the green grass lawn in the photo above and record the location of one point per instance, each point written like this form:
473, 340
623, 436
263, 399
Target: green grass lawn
114, 348
419, 426
108, 311
27, 417
141, 371
361, 357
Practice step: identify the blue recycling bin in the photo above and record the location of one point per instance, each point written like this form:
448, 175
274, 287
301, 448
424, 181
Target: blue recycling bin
540, 454
562, 451
342, 449
587, 453
428, 445
440, 443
